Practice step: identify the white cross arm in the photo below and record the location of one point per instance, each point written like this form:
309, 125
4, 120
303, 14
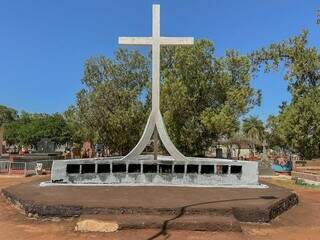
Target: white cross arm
135, 41
176, 40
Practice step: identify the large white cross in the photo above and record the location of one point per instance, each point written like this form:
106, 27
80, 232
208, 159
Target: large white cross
155, 119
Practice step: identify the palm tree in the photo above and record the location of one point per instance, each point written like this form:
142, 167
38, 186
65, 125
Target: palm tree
253, 128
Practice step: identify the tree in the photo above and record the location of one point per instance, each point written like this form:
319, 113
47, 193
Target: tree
202, 97
253, 128
29, 129
296, 126
7, 115
109, 108
276, 135
79, 132
302, 63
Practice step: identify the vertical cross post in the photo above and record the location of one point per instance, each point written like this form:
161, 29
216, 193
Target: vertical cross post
156, 57
155, 122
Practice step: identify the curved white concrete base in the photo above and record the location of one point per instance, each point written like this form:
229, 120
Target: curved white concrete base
155, 121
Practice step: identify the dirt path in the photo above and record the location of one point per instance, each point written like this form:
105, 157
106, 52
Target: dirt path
301, 222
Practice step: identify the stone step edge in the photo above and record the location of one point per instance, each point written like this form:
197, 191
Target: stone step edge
103, 223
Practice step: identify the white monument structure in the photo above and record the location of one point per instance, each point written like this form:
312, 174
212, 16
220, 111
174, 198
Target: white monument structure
155, 122
137, 169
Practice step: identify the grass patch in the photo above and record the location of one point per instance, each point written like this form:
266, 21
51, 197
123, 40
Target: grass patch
302, 183
291, 183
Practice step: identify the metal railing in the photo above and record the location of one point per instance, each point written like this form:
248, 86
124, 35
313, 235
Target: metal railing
4, 167
24, 168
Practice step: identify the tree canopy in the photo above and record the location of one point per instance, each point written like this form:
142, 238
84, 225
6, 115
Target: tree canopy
7, 115
301, 63
253, 128
202, 96
296, 128
29, 129
109, 108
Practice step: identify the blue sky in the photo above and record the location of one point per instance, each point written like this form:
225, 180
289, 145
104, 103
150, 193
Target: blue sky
44, 44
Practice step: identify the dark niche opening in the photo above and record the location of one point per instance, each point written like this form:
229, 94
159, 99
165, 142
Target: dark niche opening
178, 168
73, 168
88, 168
134, 168
207, 169
192, 168
149, 168
165, 168
222, 169
236, 170
103, 168
119, 168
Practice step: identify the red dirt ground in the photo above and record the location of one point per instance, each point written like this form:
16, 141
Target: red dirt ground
300, 222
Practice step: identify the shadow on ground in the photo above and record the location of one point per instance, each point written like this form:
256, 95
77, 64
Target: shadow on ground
164, 229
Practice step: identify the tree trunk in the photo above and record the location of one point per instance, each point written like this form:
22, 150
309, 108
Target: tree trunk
239, 149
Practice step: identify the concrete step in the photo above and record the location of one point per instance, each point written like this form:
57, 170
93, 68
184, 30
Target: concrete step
221, 223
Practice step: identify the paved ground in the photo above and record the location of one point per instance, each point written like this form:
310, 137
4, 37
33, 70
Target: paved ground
301, 222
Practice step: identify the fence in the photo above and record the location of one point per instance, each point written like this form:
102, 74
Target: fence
24, 168
4, 167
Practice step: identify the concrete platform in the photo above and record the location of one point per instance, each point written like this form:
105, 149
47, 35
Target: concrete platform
207, 209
